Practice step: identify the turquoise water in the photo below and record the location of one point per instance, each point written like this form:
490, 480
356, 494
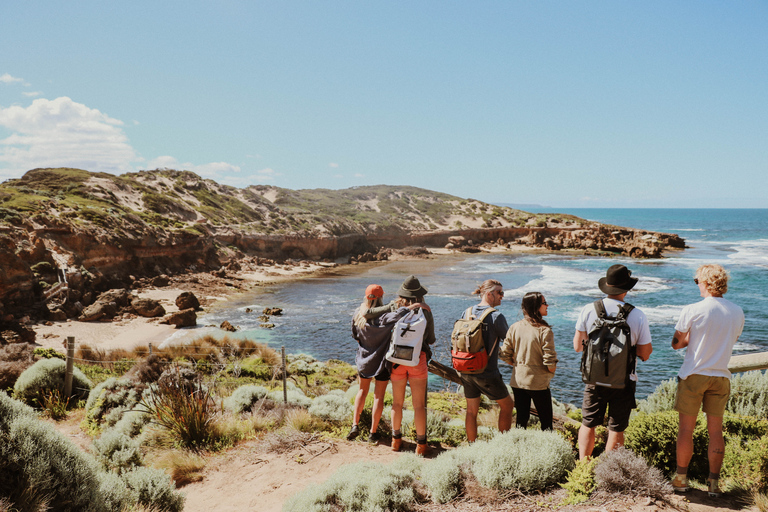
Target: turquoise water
318, 310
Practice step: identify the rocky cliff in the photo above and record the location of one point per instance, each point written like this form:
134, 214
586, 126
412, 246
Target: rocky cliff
83, 232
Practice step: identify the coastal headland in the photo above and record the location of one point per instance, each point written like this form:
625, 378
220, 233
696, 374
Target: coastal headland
67, 236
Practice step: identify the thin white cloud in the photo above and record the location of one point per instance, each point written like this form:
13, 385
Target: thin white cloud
358, 175
32, 94
8, 79
333, 165
59, 133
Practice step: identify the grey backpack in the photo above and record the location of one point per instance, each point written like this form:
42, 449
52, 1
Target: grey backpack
608, 356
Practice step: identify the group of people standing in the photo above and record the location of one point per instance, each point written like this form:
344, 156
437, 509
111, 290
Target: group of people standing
709, 328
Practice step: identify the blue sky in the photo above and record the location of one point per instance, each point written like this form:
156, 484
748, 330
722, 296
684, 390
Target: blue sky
565, 104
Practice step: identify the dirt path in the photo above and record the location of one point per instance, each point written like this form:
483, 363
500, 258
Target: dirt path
247, 479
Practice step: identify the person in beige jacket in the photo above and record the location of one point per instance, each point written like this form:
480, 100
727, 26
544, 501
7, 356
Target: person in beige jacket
530, 348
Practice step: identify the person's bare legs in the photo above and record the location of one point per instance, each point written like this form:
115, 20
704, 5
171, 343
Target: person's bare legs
586, 441
716, 450
360, 397
615, 440
506, 406
470, 418
379, 390
398, 398
685, 440
419, 398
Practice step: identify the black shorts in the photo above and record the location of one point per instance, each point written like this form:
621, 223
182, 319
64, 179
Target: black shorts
383, 374
493, 387
619, 403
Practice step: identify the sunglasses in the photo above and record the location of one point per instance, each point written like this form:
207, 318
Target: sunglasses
696, 280
500, 292
544, 303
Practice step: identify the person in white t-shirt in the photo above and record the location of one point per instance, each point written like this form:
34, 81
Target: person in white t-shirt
709, 329
619, 403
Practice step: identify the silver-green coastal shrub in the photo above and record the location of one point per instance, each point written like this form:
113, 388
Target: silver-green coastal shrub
132, 423
522, 459
47, 375
154, 489
749, 394
35, 458
118, 451
443, 475
662, 399
295, 397
363, 487
331, 407
243, 398
109, 400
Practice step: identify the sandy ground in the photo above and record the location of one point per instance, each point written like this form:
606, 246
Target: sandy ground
134, 331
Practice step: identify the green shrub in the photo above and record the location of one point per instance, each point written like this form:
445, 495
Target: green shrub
331, 407
654, 437
622, 471
746, 464
362, 486
244, 398
47, 375
155, 489
581, 482
187, 415
48, 353
257, 368
662, 399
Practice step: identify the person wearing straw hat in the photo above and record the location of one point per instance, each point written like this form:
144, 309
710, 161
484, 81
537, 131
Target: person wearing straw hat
412, 293
619, 402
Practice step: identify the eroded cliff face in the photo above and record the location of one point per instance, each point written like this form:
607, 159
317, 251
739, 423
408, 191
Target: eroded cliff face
32, 261
97, 231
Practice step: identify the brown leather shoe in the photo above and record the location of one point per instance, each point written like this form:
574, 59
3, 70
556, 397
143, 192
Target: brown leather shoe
397, 443
422, 449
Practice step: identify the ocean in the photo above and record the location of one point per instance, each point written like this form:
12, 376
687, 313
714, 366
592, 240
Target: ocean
318, 311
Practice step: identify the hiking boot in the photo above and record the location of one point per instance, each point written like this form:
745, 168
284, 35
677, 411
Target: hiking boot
422, 449
713, 488
374, 437
680, 483
353, 433
397, 443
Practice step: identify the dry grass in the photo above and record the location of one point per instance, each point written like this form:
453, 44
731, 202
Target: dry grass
184, 467
209, 348
761, 501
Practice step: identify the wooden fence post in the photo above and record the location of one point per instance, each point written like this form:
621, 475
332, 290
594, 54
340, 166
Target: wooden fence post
70, 366
285, 379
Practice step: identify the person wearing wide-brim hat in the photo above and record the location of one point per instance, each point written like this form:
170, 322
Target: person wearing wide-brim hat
617, 282
411, 292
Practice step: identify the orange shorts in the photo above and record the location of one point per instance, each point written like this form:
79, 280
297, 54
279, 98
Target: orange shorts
419, 371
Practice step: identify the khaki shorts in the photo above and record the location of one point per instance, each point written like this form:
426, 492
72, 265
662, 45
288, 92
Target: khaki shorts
694, 390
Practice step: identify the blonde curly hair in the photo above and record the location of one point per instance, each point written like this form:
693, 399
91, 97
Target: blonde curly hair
714, 277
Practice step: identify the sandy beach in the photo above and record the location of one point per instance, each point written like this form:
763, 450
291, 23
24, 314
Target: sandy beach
129, 331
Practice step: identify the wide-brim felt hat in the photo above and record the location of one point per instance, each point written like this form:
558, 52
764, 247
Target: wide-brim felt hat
618, 279
411, 288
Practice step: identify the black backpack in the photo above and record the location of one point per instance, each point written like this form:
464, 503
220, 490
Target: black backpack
608, 356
